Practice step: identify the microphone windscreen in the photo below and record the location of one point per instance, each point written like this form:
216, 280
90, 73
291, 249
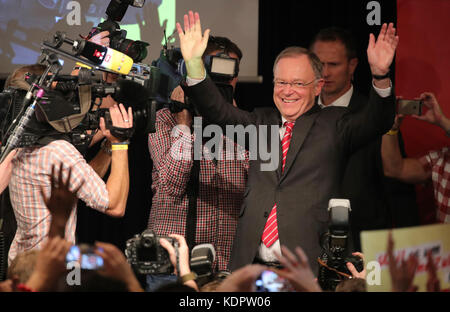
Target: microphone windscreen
108, 58
117, 61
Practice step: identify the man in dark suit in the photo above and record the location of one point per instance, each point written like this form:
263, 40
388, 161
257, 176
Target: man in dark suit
377, 202
314, 154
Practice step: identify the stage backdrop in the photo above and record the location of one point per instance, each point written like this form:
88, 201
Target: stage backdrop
423, 64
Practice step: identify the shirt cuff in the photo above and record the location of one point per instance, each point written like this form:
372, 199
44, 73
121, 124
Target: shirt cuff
192, 81
384, 93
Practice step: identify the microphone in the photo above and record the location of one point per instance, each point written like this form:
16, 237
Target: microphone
202, 259
105, 57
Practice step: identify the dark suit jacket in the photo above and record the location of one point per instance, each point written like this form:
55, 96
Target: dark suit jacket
377, 202
321, 143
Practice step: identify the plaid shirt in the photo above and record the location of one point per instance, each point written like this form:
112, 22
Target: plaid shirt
32, 168
438, 162
221, 188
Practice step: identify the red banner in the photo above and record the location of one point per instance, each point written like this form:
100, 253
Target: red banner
423, 64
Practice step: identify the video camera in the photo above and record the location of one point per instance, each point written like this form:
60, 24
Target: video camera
335, 249
220, 67
147, 256
70, 108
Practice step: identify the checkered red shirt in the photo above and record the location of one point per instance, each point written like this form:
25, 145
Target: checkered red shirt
438, 162
32, 168
221, 188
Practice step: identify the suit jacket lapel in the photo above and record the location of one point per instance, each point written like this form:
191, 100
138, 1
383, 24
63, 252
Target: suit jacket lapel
299, 133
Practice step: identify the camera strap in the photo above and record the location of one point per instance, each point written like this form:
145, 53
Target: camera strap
192, 192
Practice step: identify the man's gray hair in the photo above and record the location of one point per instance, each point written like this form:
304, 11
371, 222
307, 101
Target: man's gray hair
315, 62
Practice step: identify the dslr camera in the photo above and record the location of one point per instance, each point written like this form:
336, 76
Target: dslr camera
335, 249
147, 256
115, 12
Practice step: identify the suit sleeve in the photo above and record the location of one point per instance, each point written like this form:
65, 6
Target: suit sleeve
359, 128
212, 106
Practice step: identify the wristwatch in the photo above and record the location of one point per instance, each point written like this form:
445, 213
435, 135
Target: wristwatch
380, 77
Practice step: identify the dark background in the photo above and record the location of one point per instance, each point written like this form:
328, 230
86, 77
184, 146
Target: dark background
281, 24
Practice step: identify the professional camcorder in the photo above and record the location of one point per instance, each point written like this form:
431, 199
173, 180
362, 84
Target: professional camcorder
147, 256
68, 108
220, 67
60, 106
335, 249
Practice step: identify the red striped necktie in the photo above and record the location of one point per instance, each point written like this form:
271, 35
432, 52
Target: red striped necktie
270, 234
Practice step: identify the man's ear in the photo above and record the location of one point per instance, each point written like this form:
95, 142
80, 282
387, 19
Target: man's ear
352, 65
318, 87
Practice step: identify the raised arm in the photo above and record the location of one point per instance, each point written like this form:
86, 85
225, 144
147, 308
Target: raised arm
376, 118
193, 44
408, 170
118, 181
207, 98
380, 54
171, 148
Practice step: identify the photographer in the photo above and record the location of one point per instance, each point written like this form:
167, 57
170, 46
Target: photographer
32, 167
434, 165
220, 183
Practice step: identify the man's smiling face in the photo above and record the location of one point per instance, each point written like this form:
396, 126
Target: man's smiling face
292, 101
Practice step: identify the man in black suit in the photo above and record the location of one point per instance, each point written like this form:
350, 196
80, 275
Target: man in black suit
377, 202
321, 141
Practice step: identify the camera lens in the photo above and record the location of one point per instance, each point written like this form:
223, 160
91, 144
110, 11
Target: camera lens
137, 50
147, 242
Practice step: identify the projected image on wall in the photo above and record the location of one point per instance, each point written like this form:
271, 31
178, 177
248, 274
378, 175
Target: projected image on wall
24, 24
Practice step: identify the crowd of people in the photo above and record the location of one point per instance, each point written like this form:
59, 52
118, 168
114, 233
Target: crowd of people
333, 142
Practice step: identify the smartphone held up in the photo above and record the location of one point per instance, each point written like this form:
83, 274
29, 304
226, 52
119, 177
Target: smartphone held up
85, 255
409, 107
269, 281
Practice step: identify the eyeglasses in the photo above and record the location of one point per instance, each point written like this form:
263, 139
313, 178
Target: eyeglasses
280, 84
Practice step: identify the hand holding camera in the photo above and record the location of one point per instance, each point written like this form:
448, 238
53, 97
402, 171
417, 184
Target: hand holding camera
243, 279
115, 265
297, 270
434, 114
120, 119
101, 38
183, 254
183, 117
